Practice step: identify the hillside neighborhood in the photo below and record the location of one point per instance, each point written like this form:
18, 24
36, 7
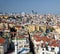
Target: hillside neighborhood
29, 34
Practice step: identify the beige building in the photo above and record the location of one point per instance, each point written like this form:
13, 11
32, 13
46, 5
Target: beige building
1, 50
37, 27
31, 28
43, 27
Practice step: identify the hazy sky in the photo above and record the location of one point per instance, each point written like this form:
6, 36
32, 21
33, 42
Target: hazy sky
41, 6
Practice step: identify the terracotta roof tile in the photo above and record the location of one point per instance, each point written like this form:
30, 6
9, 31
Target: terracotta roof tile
53, 41
55, 45
2, 40
4, 21
20, 36
11, 22
18, 26
1, 28
13, 32
44, 38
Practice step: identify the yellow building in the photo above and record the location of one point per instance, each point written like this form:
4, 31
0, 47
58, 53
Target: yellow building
37, 27
1, 26
31, 28
57, 29
4, 16
6, 25
43, 28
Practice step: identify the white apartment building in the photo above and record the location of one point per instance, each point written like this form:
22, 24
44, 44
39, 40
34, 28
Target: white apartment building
41, 45
20, 42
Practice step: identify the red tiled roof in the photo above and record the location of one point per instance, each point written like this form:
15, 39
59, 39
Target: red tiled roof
13, 32
4, 21
58, 25
44, 38
47, 39
2, 40
55, 45
1, 28
11, 22
18, 26
20, 36
53, 41
38, 38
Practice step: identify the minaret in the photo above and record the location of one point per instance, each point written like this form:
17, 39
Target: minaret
16, 46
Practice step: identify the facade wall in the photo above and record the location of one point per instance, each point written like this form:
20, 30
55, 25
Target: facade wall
1, 50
